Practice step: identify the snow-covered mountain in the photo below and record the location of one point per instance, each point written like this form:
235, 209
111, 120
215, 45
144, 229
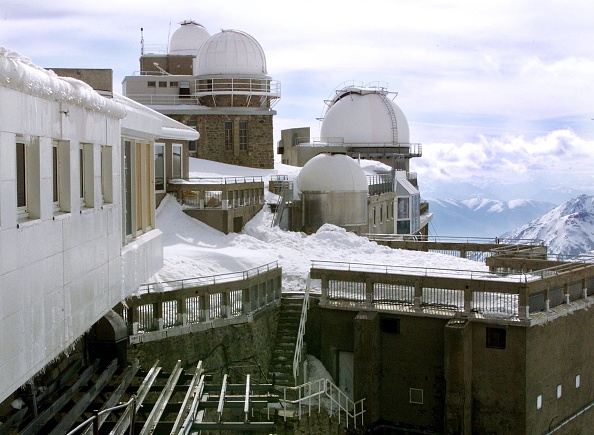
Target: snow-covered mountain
567, 229
479, 217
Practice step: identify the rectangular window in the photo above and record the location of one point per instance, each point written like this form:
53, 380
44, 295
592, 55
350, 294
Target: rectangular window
391, 326
151, 84
403, 227
107, 174
243, 135
173, 84
228, 135
159, 167
416, 396
87, 180
162, 84
81, 172
403, 208
55, 177
496, 338
21, 178
128, 187
176, 161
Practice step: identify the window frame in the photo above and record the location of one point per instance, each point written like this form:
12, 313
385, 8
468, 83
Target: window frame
21, 178
174, 173
243, 136
228, 134
163, 167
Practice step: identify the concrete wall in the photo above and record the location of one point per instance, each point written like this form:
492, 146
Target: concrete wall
223, 220
556, 353
249, 345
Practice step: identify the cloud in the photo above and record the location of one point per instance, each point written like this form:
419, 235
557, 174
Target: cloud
507, 160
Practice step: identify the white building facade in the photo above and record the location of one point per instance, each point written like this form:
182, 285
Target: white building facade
77, 215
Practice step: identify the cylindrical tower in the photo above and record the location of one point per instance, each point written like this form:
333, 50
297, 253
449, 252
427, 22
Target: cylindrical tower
334, 190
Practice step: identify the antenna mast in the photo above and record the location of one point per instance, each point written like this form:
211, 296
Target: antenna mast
141, 41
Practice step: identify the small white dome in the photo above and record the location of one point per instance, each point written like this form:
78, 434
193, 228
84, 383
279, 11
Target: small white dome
188, 38
332, 173
230, 52
364, 118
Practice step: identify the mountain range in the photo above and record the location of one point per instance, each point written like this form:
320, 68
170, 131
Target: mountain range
567, 229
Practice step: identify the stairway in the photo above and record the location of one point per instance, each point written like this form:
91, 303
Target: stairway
281, 366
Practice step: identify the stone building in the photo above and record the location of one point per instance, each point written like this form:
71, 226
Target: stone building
217, 84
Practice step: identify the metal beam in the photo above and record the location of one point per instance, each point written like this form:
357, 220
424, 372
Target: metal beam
184, 409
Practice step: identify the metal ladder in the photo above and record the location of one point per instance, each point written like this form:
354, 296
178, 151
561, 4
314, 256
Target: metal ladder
388, 104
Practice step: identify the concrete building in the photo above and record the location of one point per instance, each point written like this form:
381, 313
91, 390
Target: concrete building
77, 211
364, 123
444, 352
217, 84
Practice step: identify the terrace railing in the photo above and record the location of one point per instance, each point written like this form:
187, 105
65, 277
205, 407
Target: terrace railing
445, 292
191, 304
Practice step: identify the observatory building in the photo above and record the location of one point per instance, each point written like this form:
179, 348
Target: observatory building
362, 122
217, 84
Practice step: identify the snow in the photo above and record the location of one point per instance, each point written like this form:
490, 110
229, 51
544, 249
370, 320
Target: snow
18, 72
567, 229
193, 249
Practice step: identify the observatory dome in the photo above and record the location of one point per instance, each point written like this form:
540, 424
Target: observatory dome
188, 38
332, 173
364, 117
231, 52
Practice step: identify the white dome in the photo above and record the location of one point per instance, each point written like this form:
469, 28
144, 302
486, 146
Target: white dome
230, 52
188, 38
332, 173
364, 118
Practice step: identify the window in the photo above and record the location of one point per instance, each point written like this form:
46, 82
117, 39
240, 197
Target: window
496, 338
151, 84
162, 84
128, 187
159, 167
539, 401
173, 84
559, 391
106, 174
403, 208
21, 179
578, 381
86, 181
391, 326
243, 135
403, 227
55, 177
416, 396
228, 135
176, 161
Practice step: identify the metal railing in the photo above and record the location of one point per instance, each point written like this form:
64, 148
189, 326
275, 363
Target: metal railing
239, 85
186, 302
340, 404
457, 239
301, 332
180, 284
380, 183
94, 420
222, 180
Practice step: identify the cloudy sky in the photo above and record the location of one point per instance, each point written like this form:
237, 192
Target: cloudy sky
495, 91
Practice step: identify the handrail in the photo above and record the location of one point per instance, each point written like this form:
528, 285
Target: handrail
96, 415
301, 331
217, 180
455, 239
338, 399
206, 280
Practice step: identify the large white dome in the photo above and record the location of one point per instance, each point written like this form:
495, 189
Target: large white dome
231, 52
364, 118
188, 38
332, 173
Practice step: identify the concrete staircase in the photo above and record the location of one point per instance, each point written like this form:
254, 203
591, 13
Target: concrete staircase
286, 336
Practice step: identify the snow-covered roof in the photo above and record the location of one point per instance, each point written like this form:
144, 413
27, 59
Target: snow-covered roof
167, 128
188, 38
231, 52
19, 73
332, 173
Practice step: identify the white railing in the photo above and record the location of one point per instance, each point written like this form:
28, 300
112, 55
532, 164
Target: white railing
301, 332
339, 403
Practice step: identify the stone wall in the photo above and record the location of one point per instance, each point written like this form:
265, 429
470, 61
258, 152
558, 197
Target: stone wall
211, 145
235, 349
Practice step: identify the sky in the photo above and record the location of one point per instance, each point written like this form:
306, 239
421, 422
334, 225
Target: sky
497, 92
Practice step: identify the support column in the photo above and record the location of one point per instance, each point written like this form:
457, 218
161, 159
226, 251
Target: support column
458, 376
368, 364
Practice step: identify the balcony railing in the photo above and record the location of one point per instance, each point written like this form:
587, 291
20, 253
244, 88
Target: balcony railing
188, 303
445, 292
237, 86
